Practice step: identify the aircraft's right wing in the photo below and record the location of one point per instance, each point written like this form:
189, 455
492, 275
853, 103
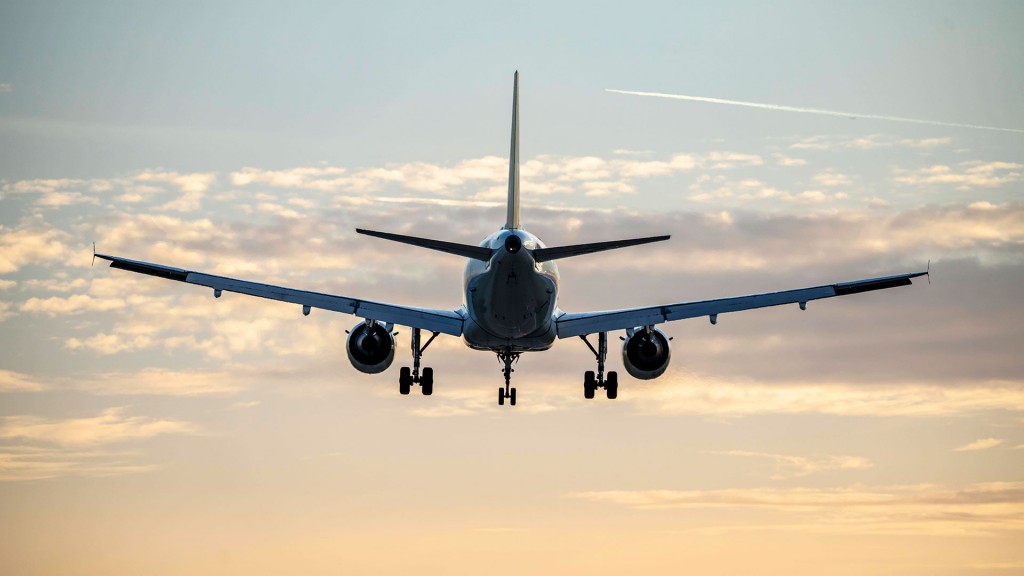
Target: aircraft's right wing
593, 322
444, 321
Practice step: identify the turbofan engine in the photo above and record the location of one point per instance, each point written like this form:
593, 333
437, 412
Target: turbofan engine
370, 347
645, 354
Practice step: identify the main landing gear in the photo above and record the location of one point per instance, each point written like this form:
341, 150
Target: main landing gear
591, 381
407, 377
508, 357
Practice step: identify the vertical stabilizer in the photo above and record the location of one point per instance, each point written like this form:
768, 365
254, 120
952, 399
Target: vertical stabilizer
512, 220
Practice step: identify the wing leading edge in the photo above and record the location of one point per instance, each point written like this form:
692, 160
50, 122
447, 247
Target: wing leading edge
592, 322
444, 321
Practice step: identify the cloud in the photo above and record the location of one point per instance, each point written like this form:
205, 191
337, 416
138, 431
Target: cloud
978, 509
74, 304
35, 448
31, 245
982, 444
24, 463
831, 179
106, 344
162, 382
707, 188
61, 192
541, 175
6, 88
193, 187
871, 142
300, 177
787, 466
708, 396
144, 382
966, 176
11, 381
111, 426
783, 160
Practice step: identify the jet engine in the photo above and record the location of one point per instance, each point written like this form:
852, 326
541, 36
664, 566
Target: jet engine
370, 347
645, 354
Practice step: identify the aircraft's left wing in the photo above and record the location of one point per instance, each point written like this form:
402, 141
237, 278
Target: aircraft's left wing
592, 322
444, 321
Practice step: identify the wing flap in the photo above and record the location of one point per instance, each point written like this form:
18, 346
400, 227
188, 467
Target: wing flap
444, 321
569, 325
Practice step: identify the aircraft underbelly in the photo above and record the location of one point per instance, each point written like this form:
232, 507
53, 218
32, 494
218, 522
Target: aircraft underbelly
510, 306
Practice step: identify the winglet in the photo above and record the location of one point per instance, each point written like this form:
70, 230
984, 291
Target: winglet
928, 272
93, 254
512, 218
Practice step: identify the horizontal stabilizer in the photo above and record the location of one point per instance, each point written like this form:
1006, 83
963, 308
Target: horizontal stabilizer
464, 250
545, 254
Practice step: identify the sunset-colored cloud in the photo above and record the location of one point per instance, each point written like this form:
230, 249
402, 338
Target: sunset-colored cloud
789, 466
712, 397
925, 509
111, 426
25, 463
11, 381
981, 444
31, 245
965, 176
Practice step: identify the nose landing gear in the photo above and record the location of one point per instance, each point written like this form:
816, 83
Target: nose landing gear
592, 381
508, 357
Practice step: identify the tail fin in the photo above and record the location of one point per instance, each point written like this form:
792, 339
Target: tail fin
512, 219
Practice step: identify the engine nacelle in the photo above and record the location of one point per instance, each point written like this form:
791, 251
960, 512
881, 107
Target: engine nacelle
371, 350
645, 355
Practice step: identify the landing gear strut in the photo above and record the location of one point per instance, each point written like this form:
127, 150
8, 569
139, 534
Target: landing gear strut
508, 357
407, 377
592, 381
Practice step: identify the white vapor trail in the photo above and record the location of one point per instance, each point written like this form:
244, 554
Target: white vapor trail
811, 110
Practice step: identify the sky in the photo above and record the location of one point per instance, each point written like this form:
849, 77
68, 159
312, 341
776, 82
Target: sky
148, 428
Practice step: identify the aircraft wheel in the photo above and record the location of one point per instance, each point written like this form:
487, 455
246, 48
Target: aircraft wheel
512, 397
427, 382
404, 380
501, 396
611, 387
589, 384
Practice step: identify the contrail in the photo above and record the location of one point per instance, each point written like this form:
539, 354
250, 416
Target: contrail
813, 110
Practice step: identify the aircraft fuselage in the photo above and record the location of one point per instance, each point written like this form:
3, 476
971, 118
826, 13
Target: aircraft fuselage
510, 299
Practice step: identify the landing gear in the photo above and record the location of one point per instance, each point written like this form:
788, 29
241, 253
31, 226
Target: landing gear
407, 377
592, 381
508, 357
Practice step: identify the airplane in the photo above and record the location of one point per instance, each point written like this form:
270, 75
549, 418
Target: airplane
510, 303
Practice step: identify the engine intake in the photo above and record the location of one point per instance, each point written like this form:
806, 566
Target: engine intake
645, 355
371, 350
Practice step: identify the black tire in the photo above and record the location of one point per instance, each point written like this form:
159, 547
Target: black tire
589, 384
512, 397
427, 382
404, 380
501, 396
611, 386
